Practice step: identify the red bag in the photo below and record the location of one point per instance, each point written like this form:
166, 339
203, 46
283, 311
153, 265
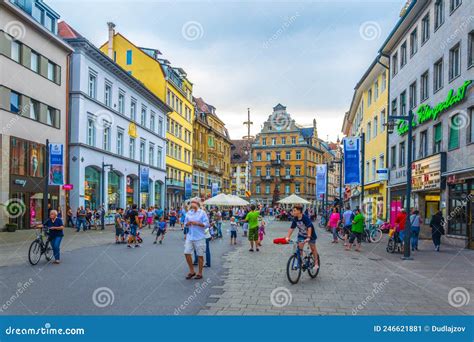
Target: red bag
280, 241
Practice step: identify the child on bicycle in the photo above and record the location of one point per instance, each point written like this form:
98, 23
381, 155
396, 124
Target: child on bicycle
306, 232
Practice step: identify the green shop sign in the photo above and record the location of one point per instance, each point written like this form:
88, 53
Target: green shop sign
426, 112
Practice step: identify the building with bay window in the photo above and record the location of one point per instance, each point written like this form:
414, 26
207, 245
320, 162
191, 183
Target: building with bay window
431, 73
117, 131
33, 92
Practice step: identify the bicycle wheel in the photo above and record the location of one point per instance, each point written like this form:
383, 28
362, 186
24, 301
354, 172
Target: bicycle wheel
293, 269
340, 233
376, 235
391, 246
311, 272
34, 253
48, 251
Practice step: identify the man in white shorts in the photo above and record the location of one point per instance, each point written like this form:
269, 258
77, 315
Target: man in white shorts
196, 221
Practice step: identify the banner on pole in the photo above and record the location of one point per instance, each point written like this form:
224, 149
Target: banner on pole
351, 160
215, 189
188, 187
56, 164
321, 179
144, 178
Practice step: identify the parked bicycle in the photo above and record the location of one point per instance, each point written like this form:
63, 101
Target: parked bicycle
301, 261
39, 247
372, 233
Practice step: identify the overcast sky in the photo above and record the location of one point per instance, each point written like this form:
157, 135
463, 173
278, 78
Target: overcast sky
307, 55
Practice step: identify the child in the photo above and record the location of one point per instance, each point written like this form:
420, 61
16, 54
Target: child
261, 232
233, 231
160, 227
245, 228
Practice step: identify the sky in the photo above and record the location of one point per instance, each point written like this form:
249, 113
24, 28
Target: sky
306, 55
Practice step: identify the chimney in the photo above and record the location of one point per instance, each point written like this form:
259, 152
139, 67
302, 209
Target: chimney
110, 48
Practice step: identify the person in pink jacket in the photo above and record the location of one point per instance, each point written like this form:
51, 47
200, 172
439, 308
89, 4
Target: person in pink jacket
333, 223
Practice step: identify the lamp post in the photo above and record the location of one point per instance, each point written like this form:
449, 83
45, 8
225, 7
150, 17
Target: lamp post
102, 195
390, 129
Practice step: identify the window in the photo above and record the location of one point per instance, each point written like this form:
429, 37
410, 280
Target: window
298, 170
14, 102
35, 62
453, 4
152, 121
297, 188
403, 54
425, 28
19, 157
274, 141
16, 51
160, 126
376, 90
133, 110
34, 110
268, 156
470, 133
384, 82
108, 95
159, 157
414, 41
394, 64
413, 94
374, 169
438, 75
454, 128
375, 127
120, 143
143, 117
121, 103
367, 170
424, 86
287, 188
454, 62
264, 141
381, 161
51, 71
439, 13
298, 155
293, 140
382, 121
287, 171
259, 156
288, 155
90, 132
258, 171
257, 189
268, 171
403, 103
437, 137
131, 148
401, 157
423, 144
369, 132
106, 144
394, 106
278, 156
369, 97
470, 48
393, 157
129, 57
92, 84
283, 141
151, 155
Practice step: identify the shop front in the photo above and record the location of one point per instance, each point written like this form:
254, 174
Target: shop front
114, 192
132, 190
92, 184
158, 194
374, 199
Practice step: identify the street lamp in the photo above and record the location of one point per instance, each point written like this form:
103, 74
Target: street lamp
390, 129
102, 195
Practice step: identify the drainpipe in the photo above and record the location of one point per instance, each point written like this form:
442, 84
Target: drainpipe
110, 45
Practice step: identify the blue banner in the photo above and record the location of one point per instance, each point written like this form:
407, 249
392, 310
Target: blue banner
56, 164
321, 180
271, 328
215, 189
144, 178
351, 160
188, 188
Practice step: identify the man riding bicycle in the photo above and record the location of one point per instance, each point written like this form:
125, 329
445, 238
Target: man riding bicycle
306, 232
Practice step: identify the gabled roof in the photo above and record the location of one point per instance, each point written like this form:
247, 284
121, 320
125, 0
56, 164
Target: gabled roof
67, 32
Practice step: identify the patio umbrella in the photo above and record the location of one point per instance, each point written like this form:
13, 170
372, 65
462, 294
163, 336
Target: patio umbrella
221, 199
294, 199
238, 202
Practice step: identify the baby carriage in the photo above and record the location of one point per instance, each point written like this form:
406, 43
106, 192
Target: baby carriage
394, 243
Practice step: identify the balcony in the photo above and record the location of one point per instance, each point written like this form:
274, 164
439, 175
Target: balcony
174, 183
267, 178
216, 169
200, 163
277, 162
288, 178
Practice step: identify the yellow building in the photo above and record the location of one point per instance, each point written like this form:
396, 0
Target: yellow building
171, 85
211, 151
368, 115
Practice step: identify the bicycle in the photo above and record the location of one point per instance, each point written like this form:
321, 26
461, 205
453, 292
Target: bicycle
340, 231
296, 264
323, 222
372, 234
39, 247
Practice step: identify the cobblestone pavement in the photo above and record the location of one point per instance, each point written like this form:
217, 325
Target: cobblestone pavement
371, 282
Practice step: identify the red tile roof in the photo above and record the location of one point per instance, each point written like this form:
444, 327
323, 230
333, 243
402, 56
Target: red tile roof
67, 32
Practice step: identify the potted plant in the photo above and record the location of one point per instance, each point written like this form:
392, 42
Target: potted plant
11, 227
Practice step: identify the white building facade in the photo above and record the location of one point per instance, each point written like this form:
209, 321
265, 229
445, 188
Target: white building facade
117, 128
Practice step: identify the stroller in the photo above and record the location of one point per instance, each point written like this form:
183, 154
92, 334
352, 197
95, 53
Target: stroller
395, 243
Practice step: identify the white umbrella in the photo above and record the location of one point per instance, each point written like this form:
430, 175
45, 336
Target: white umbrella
238, 201
221, 199
294, 199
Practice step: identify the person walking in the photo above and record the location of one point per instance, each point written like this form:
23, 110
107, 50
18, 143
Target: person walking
118, 221
357, 230
69, 220
437, 229
334, 220
56, 234
233, 231
400, 223
135, 224
81, 219
218, 219
415, 223
252, 220
197, 222
347, 218
149, 217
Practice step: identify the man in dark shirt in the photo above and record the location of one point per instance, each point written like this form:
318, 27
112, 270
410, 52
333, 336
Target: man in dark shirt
306, 232
134, 225
56, 227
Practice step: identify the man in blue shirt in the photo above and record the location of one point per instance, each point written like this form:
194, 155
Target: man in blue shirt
347, 218
56, 227
196, 221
